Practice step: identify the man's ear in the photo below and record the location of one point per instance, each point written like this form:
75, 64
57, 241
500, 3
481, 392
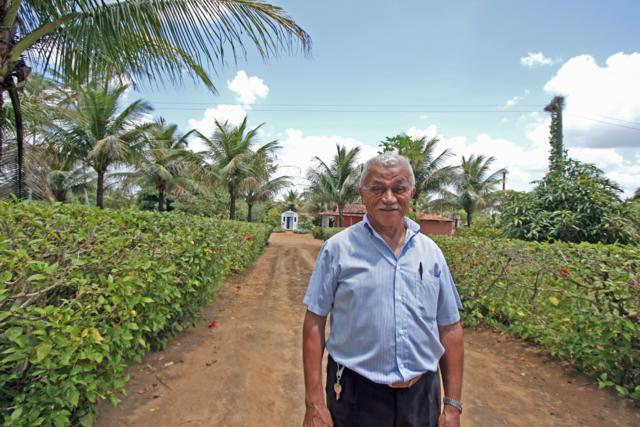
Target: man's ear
360, 193
413, 192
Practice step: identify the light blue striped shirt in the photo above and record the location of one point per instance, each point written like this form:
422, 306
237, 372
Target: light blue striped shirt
384, 312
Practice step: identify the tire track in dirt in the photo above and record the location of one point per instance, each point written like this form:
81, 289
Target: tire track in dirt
247, 371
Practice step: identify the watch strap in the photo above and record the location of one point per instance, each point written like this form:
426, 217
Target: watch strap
453, 402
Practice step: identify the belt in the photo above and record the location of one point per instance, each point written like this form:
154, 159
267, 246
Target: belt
406, 384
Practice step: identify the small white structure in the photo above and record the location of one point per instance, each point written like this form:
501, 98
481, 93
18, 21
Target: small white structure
289, 220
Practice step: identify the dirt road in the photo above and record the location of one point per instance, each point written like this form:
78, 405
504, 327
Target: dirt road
246, 369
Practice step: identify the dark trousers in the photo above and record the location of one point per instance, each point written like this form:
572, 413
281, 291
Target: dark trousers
364, 403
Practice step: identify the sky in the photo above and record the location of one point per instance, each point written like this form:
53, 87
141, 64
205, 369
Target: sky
477, 74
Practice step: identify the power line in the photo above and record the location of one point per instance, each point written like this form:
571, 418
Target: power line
621, 120
289, 110
608, 123
540, 107
390, 109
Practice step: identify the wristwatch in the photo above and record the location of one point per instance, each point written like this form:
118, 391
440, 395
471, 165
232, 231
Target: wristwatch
453, 402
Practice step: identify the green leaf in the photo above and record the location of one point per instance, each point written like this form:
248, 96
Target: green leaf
36, 277
16, 413
13, 333
5, 276
73, 396
622, 391
42, 351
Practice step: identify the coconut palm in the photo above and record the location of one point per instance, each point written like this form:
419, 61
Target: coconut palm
432, 175
337, 182
262, 188
152, 40
293, 200
166, 163
474, 186
230, 149
96, 130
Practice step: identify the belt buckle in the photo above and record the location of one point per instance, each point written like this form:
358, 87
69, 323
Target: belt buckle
406, 384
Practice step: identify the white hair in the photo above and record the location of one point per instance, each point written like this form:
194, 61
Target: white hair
387, 159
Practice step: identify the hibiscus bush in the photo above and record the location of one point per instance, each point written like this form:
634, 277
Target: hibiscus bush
83, 291
580, 301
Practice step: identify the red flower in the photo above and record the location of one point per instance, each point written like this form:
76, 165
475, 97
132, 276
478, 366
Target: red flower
564, 272
249, 238
506, 269
238, 287
212, 324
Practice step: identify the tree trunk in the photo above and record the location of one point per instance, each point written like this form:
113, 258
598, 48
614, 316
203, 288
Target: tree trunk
85, 197
468, 218
232, 202
340, 210
249, 209
1, 125
17, 111
100, 190
161, 199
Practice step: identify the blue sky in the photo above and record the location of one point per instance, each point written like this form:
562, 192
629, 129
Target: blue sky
477, 74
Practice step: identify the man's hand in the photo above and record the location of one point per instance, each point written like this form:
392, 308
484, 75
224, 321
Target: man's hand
450, 417
317, 416
317, 413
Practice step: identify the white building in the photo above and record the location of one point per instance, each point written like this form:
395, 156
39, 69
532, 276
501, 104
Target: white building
289, 220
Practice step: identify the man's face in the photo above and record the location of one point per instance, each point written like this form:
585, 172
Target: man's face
387, 192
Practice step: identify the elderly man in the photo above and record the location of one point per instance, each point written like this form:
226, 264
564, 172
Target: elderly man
394, 316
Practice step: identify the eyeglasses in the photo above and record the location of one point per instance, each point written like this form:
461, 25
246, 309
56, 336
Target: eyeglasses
379, 190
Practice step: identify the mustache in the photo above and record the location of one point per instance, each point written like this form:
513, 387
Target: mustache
388, 207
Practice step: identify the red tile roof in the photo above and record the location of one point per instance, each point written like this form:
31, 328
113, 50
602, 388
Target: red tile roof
349, 209
432, 217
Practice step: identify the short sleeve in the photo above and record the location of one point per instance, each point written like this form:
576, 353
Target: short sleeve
322, 285
449, 302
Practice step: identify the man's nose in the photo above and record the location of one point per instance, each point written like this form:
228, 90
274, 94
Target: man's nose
388, 196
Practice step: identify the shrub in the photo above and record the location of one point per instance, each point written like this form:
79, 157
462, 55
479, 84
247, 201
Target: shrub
575, 204
580, 301
324, 233
83, 291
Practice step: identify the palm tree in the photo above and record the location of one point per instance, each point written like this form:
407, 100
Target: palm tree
262, 188
145, 39
233, 157
293, 200
337, 182
166, 163
474, 186
97, 131
432, 175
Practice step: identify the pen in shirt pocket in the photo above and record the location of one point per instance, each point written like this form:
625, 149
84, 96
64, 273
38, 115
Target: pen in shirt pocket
420, 270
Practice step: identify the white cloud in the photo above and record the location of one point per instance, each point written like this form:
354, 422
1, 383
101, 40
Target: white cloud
524, 163
535, 59
513, 101
602, 103
234, 114
298, 151
248, 89
428, 133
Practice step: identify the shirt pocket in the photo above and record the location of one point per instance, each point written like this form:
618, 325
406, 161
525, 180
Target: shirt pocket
427, 295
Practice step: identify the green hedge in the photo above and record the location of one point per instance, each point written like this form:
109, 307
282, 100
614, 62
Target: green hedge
580, 301
324, 233
84, 291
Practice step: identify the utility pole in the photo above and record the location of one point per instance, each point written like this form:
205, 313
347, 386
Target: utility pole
504, 179
557, 148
